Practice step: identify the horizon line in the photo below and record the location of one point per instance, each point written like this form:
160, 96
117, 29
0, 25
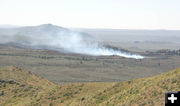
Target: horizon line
100, 28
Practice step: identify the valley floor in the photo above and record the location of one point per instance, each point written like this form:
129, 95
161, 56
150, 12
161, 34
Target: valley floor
67, 68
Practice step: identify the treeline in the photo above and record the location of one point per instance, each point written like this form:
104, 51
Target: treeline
8, 54
26, 55
45, 57
166, 52
169, 52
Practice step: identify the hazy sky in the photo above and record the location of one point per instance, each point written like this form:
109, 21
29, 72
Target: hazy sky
126, 14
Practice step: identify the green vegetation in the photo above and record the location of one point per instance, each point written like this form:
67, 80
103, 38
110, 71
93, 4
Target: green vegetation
22, 88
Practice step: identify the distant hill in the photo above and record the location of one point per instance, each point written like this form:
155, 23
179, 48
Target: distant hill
39, 30
26, 34
18, 87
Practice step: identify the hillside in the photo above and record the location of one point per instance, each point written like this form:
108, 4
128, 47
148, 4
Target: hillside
18, 87
38, 35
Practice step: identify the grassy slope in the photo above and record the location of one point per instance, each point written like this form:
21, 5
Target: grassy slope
143, 91
25, 89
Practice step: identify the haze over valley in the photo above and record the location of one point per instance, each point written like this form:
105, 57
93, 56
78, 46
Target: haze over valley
89, 52
52, 37
65, 55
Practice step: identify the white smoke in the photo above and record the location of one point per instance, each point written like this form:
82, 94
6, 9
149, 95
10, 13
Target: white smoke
66, 40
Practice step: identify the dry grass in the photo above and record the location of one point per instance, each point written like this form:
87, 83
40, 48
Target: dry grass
68, 68
29, 89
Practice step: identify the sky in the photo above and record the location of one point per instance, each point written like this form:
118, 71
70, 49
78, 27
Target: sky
116, 14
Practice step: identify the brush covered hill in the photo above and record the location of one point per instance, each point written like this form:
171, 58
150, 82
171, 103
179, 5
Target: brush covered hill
22, 88
19, 87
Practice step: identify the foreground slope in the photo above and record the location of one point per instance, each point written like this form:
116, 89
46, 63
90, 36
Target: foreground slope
145, 91
18, 87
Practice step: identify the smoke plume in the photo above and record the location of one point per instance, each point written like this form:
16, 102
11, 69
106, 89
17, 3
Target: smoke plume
58, 38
